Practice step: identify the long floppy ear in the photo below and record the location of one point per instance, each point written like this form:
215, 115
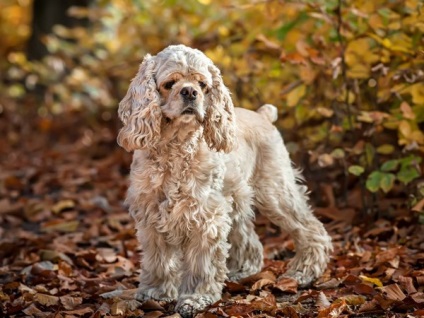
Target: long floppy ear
140, 110
219, 128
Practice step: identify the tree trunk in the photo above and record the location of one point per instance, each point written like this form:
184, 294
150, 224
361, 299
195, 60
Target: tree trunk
46, 14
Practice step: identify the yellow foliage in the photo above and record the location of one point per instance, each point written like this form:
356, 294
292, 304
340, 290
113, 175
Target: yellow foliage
374, 281
417, 93
294, 96
340, 76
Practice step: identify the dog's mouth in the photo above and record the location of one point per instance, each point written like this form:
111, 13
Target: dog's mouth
189, 111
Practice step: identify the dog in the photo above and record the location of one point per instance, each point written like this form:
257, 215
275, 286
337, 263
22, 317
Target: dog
200, 167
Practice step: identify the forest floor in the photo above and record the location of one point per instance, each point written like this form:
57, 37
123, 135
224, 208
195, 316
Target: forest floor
67, 243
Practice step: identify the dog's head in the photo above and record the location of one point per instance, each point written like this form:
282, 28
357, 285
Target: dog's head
179, 85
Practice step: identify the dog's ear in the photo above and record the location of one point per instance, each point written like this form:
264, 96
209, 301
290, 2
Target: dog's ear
140, 110
219, 128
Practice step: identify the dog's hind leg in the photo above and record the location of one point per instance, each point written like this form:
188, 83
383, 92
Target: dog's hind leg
280, 198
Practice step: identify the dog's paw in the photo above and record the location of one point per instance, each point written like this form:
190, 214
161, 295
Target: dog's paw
236, 276
249, 268
307, 265
154, 294
188, 306
302, 279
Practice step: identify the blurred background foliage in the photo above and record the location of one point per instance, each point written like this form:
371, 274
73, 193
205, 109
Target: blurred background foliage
346, 75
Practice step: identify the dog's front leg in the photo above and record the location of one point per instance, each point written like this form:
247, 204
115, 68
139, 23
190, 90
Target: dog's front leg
160, 261
204, 267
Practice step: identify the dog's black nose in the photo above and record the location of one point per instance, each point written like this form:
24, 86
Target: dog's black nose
189, 93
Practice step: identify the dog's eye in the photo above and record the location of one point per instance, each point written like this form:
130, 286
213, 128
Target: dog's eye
168, 85
202, 85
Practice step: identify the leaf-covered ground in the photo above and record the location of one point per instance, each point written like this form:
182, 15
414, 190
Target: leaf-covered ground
67, 246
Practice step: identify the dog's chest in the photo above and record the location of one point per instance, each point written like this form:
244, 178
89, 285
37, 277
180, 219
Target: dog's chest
177, 194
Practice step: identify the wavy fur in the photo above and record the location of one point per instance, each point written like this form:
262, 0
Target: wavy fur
140, 110
219, 126
200, 167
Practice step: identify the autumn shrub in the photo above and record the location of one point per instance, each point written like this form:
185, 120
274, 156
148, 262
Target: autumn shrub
347, 76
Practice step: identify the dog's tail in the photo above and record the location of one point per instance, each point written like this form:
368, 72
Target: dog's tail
268, 111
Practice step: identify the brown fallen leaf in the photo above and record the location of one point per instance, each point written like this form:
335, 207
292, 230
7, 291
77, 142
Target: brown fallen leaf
286, 284
63, 205
351, 280
393, 292
82, 311
234, 287
322, 301
384, 302
254, 278
107, 255
46, 300
152, 305
289, 312
364, 289
261, 283
124, 294
119, 308
238, 310
419, 207
387, 256
332, 283
32, 311
60, 226
407, 284
418, 313
369, 306
354, 300
418, 297
334, 310
70, 302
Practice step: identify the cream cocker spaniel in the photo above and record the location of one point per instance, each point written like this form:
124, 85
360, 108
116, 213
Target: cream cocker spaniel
199, 169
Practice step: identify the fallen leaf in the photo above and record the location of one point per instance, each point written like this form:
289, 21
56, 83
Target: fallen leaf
46, 300
418, 297
354, 300
393, 292
374, 281
63, 205
60, 226
119, 308
322, 301
234, 287
32, 311
85, 310
332, 283
334, 310
364, 289
407, 284
286, 284
254, 278
369, 306
70, 302
261, 283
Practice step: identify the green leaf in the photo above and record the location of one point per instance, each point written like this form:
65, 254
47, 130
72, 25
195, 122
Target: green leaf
407, 174
387, 181
390, 165
410, 161
386, 149
283, 30
338, 153
356, 170
373, 181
